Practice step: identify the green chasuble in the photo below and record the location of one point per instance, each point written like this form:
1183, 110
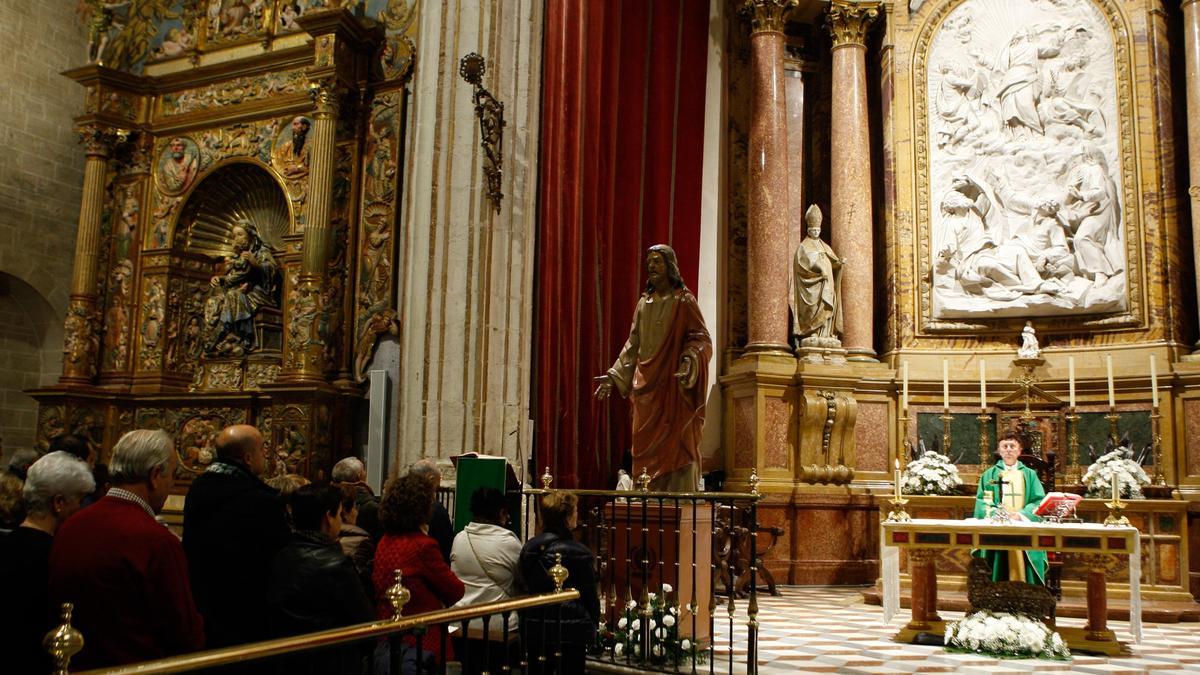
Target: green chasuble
987, 499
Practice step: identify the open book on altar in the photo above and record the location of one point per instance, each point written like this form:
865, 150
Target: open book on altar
1058, 504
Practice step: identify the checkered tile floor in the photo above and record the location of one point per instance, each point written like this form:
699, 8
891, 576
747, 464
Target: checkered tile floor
831, 630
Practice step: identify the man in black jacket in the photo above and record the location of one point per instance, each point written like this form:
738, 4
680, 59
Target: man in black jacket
233, 525
314, 586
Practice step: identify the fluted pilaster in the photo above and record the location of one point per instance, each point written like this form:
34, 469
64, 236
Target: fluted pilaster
81, 340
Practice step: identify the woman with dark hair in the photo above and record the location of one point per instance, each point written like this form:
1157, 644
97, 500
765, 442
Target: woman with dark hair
405, 509
486, 553
574, 621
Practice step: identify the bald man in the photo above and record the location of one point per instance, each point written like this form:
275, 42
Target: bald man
233, 525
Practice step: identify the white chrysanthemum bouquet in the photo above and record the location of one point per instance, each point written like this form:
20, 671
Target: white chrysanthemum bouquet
650, 633
1130, 477
930, 474
1006, 636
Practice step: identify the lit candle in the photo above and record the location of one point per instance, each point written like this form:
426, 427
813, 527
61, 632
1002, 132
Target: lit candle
1154, 381
897, 479
946, 384
982, 385
904, 398
1112, 401
1071, 378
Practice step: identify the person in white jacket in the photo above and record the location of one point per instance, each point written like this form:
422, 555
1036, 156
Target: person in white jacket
485, 557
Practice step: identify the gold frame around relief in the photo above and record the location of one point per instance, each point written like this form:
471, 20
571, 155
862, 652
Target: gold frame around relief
1132, 209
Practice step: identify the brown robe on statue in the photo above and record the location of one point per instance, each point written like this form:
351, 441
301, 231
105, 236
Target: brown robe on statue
667, 418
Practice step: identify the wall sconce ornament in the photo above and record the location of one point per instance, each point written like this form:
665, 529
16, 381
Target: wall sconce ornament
491, 124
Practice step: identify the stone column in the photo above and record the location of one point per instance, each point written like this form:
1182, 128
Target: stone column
306, 303
1191, 49
767, 259
82, 328
850, 184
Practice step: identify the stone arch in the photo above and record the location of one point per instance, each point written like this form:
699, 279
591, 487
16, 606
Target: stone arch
31, 340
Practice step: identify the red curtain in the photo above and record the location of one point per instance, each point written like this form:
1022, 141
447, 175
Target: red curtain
621, 161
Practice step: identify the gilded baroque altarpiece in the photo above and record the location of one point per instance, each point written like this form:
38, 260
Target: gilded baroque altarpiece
246, 162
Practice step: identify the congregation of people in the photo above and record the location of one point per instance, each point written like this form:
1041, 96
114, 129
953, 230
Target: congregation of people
263, 558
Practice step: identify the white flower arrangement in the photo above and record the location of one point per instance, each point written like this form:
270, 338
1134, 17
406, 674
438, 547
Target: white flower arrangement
930, 474
1130, 476
1005, 636
655, 626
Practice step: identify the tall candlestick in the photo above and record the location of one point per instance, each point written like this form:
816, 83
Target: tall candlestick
897, 479
1112, 401
1154, 381
1114, 487
1071, 378
982, 385
904, 397
945, 384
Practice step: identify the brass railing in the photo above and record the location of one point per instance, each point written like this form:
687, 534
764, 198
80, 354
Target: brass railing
310, 641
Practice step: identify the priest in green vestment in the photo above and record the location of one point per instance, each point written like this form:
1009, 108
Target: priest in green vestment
1019, 492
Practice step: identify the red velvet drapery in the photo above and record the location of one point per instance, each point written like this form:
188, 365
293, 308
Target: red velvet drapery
621, 160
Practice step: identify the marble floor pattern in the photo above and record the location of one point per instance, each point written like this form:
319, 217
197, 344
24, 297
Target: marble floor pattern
831, 630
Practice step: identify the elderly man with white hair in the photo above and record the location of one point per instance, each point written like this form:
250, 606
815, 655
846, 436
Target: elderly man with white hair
124, 571
351, 472
55, 485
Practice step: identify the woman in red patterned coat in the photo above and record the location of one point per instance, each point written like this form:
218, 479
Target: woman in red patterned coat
403, 514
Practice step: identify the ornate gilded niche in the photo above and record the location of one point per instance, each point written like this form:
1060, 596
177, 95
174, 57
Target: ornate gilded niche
1024, 146
244, 241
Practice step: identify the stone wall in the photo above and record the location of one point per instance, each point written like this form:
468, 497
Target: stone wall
40, 179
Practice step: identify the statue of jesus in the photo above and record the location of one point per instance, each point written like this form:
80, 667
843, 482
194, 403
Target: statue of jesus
663, 370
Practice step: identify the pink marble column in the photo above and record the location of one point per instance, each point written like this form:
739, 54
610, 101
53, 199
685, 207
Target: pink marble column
850, 184
1191, 49
767, 259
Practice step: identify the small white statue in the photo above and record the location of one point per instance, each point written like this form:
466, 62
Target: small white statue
1029, 344
624, 482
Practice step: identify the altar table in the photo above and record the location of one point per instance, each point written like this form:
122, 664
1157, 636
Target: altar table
1095, 543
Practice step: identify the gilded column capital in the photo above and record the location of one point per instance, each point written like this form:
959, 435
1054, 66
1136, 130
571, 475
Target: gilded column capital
326, 96
98, 139
767, 15
848, 22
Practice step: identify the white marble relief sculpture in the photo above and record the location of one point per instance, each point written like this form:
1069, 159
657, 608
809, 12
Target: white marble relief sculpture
1026, 216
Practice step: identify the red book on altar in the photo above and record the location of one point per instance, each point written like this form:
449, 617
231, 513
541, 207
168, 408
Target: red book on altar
1060, 504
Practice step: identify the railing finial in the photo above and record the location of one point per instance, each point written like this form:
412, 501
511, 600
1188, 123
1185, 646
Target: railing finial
63, 642
558, 573
398, 595
547, 479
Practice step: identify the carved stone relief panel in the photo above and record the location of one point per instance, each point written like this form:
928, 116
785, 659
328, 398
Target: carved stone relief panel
1023, 143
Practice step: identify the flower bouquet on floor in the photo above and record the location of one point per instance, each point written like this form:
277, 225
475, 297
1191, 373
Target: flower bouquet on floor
930, 474
1006, 636
649, 634
1130, 477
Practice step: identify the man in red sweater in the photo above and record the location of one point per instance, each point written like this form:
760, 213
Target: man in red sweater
125, 572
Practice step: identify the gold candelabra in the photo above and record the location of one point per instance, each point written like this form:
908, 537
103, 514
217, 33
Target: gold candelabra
1073, 474
1156, 444
898, 514
946, 418
985, 447
904, 440
1115, 518
1113, 432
